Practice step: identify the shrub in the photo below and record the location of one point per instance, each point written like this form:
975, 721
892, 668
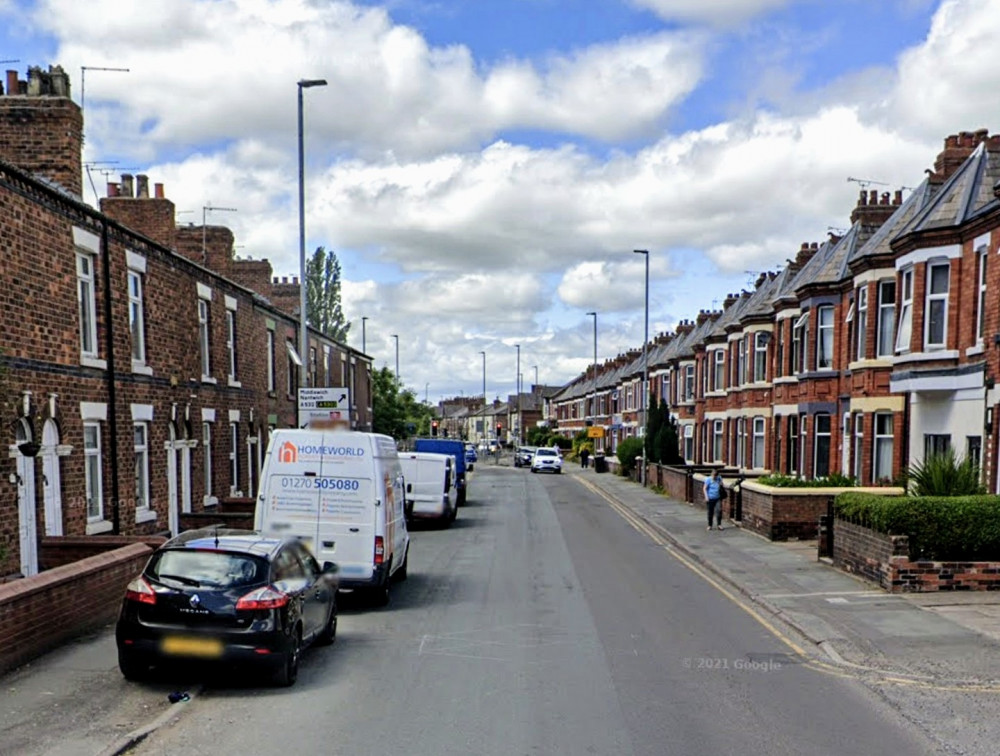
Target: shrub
629, 450
835, 480
945, 528
945, 475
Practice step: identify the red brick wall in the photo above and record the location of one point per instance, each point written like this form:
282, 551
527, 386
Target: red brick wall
39, 613
57, 551
43, 135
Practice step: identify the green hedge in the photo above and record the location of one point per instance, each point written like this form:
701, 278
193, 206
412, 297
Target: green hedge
778, 480
628, 451
940, 528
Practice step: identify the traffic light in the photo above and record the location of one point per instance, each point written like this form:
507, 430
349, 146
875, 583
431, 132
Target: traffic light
434, 427
499, 430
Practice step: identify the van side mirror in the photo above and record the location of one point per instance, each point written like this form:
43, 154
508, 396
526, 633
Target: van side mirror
330, 568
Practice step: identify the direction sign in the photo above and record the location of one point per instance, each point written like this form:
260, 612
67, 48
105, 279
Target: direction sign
328, 407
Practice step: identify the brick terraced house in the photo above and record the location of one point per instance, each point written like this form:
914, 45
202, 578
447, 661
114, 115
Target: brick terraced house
142, 365
864, 355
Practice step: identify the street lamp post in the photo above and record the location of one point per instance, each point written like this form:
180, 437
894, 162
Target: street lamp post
517, 387
303, 318
536, 375
645, 370
486, 434
593, 404
396, 337
364, 319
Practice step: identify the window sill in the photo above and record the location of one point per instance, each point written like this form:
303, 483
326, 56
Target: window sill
868, 364
979, 348
141, 368
233, 383
100, 526
785, 379
208, 379
94, 362
941, 354
209, 501
144, 515
272, 394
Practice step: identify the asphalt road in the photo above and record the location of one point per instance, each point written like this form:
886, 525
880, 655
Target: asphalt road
542, 623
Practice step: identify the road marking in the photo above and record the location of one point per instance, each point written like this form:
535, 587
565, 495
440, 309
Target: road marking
854, 671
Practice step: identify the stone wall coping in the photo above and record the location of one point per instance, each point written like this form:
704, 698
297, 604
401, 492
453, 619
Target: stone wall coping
67, 573
749, 485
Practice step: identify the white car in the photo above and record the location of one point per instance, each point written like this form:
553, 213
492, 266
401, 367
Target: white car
546, 459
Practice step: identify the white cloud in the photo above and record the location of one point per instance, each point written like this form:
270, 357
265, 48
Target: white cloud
949, 82
715, 12
227, 70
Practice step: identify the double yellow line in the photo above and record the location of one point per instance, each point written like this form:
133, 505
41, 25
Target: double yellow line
854, 671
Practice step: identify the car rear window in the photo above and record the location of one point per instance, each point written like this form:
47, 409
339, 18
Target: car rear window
209, 569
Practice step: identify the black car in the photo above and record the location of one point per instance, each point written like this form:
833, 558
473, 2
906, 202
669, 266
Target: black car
229, 597
523, 456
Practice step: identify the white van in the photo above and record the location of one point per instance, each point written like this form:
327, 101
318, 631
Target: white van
430, 486
342, 492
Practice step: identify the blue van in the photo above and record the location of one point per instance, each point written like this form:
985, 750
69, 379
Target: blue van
456, 449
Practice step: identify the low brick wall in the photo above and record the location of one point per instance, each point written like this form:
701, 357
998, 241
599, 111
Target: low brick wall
884, 559
674, 481
40, 612
782, 514
196, 520
56, 551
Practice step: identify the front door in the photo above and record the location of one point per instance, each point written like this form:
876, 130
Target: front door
51, 480
27, 524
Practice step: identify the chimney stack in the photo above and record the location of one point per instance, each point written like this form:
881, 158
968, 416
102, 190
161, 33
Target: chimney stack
142, 186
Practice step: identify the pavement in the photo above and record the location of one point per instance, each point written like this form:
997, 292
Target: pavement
940, 639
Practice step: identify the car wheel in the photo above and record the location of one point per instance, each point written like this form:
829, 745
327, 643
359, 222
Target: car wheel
329, 632
558, 470
533, 470
133, 669
289, 671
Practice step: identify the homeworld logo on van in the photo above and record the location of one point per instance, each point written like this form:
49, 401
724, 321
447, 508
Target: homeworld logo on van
288, 453
332, 451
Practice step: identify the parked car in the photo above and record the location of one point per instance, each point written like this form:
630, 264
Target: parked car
523, 455
470, 456
546, 459
227, 597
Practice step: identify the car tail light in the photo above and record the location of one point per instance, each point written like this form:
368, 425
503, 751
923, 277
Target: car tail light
267, 597
139, 590
379, 550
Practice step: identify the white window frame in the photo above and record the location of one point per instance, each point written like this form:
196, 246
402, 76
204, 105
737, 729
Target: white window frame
981, 300
689, 383
760, 356
931, 298
794, 449
689, 443
719, 372
141, 448
205, 336
886, 314
882, 437
904, 329
859, 444
717, 440
741, 362
824, 333
137, 317
294, 361
270, 360
828, 434
861, 323
94, 489
759, 445
206, 442
800, 339
231, 344
87, 296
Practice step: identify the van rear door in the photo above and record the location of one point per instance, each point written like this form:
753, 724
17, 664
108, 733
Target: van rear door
289, 501
347, 514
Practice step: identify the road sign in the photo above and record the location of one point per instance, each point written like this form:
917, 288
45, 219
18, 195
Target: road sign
324, 407
595, 431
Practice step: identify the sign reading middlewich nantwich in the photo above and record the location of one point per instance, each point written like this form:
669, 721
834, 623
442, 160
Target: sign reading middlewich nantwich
324, 408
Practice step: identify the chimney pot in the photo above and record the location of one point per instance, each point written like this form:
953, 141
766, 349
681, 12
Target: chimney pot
158, 191
112, 189
884, 199
898, 197
142, 186
863, 198
12, 86
873, 197
127, 185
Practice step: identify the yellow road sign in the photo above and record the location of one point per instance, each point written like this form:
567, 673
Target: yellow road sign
595, 432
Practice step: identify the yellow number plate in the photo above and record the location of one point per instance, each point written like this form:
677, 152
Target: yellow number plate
208, 648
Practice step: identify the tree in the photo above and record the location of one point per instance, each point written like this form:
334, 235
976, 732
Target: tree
323, 295
396, 411
667, 440
654, 421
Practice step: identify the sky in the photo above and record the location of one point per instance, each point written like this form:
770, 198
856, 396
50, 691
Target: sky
485, 169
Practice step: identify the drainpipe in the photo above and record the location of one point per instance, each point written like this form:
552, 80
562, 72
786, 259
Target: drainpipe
110, 374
